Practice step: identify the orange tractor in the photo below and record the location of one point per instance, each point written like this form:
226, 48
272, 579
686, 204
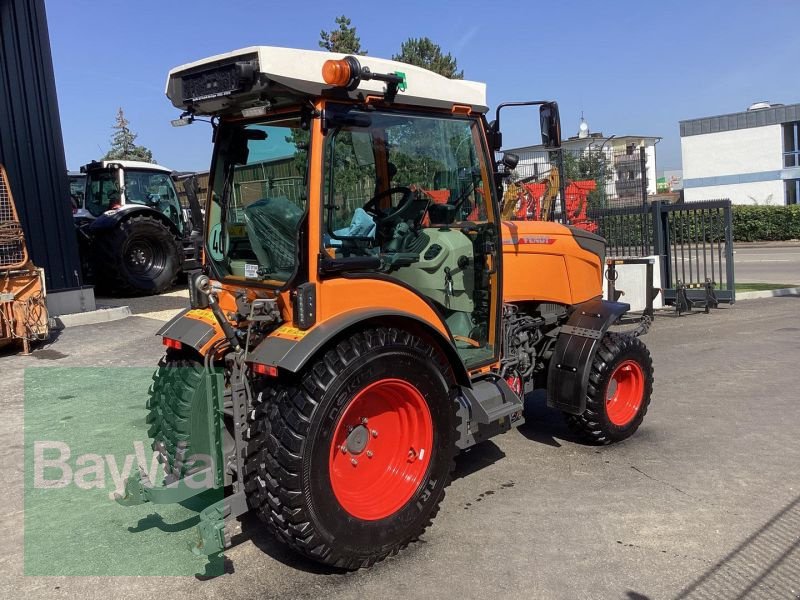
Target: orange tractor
363, 313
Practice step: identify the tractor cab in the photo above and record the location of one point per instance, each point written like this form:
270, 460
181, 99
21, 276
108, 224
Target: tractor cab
113, 184
314, 184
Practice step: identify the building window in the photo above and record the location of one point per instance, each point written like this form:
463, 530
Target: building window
792, 191
791, 144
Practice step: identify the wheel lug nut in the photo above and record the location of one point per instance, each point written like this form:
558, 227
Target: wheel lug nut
374, 433
353, 462
349, 429
369, 453
363, 420
343, 448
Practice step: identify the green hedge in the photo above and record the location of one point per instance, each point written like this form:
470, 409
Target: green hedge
766, 223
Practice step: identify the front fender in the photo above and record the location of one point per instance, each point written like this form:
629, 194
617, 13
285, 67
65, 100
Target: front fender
571, 363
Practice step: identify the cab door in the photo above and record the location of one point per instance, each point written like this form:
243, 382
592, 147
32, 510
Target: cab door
414, 190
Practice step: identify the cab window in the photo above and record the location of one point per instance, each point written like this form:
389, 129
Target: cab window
411, 191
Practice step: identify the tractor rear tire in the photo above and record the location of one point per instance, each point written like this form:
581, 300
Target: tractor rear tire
140, 256
348, 463
172, 397
620, 386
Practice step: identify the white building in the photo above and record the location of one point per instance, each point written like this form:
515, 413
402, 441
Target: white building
623, 154
751, 157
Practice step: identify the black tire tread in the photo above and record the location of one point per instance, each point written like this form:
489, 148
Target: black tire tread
170, 405
108, 258
589, 425
278, 428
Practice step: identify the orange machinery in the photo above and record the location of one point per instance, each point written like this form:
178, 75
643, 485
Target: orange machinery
23, 314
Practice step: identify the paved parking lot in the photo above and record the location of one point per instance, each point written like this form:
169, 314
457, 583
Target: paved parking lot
704, 502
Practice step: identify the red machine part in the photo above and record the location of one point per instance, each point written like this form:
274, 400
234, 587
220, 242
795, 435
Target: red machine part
529, 205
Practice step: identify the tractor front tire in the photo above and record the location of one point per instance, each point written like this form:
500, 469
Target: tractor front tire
140, 256
620, 386
348, 463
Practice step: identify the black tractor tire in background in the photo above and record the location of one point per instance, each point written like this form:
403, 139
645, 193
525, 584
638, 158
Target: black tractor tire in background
140, 256
620, 386
170, 406
306, 438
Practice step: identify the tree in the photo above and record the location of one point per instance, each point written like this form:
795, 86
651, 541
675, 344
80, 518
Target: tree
424, 53
123, 143
343, 39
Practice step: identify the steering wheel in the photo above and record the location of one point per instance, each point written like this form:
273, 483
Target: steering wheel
371, 207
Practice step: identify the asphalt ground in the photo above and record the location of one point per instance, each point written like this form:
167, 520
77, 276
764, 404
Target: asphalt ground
767, 264
704, 502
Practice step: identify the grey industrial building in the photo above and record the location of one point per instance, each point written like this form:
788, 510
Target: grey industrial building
32, 150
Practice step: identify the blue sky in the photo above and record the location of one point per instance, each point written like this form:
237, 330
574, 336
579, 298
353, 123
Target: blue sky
632, 67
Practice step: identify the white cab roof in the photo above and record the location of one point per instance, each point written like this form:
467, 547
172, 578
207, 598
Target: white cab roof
134, 164
301, 70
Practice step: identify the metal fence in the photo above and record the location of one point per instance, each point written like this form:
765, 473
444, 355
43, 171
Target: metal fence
694, 240
698, 243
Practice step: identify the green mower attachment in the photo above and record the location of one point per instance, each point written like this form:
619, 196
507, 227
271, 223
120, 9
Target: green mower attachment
203, 426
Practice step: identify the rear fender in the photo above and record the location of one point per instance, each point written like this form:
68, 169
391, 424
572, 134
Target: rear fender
571, 363
193, 328
293, 351
110, 219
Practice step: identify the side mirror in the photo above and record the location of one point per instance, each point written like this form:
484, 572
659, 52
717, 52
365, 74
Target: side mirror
494, 137
550, 123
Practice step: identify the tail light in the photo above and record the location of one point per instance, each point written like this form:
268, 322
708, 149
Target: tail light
262, 369
172, 344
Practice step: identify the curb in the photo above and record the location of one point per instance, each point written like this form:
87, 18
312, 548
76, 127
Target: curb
774, 244
792, 291
101, 315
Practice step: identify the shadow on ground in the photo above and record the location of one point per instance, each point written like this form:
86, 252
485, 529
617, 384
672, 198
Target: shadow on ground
255, 531
545, 425
766, 565
174, 299
39, 349
468, 462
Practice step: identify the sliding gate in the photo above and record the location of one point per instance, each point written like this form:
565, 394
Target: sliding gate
694, 240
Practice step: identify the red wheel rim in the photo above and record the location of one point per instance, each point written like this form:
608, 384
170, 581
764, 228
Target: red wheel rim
625, 393
381, 449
